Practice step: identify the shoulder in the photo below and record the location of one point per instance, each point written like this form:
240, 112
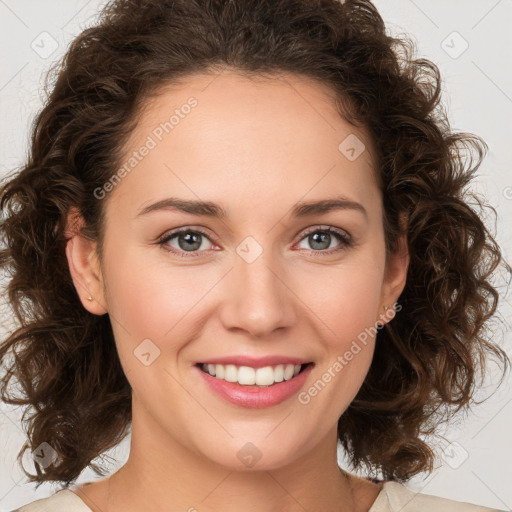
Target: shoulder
62, 501
395, 497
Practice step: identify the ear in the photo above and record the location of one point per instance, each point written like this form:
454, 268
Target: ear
84, 265
395, 277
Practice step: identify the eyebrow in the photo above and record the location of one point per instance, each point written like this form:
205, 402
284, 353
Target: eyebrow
210, 209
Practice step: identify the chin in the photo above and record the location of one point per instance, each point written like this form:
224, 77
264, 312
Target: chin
260, 454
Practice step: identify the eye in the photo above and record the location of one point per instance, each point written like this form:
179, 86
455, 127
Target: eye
320, 238
189, 241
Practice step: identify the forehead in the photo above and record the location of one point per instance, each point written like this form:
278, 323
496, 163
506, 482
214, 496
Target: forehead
231, 136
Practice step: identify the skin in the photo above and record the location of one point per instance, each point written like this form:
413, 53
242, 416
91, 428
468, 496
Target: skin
256, 147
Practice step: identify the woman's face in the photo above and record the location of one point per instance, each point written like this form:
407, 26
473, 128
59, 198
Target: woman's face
263, 281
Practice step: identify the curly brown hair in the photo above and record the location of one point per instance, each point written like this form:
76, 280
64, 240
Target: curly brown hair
426, 362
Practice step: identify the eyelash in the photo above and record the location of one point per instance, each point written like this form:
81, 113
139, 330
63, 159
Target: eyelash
344, 238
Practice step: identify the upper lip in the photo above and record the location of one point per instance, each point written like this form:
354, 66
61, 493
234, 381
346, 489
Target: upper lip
255, 362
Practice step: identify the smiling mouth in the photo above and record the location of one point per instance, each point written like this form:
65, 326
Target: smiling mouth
248, 376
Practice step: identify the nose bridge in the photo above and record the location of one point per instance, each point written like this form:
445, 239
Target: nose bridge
258, 299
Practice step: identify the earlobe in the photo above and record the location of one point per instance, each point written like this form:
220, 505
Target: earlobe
84, 266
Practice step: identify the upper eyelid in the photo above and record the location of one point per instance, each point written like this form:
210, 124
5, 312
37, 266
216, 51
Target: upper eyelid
325, 227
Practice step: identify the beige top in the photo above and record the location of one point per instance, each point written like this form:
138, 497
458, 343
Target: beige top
393, 497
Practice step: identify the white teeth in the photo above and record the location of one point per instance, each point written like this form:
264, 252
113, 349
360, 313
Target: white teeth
249, 376
279, 373
288, 371
230, 373
219, 371
246, 375
264, 376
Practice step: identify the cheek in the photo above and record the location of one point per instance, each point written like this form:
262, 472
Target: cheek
154, 300
151, 301
154, 312
345, 313
346, 300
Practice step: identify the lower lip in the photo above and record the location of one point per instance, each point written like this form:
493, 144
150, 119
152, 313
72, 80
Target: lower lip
256, 397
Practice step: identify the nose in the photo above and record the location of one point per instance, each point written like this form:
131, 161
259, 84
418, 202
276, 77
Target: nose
257, 298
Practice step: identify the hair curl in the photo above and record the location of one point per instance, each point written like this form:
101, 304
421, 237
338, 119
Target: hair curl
426, 361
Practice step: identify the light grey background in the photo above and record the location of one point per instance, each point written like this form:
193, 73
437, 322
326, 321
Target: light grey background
477, 85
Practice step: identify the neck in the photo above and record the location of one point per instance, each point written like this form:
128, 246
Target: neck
168, 476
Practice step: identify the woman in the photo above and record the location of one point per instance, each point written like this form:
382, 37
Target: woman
242, 236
